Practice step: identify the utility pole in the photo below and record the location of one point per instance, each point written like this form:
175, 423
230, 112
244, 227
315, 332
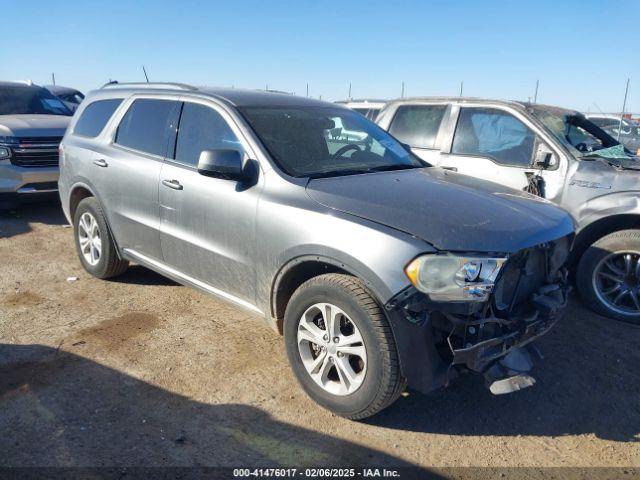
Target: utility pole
624, 107
53, 78
402, 91
144, 70
349, 96
461, 86
535, 95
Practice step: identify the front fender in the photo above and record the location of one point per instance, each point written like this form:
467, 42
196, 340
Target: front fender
616, 203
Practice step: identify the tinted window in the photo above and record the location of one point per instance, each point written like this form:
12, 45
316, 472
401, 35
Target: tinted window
494, 134
202, 128
95, 117
19, 100
418, 125
144, 126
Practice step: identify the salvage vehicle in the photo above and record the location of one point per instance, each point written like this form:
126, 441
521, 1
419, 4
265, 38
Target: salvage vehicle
32, 123
555, 153
378, 270
70, 96
368, 108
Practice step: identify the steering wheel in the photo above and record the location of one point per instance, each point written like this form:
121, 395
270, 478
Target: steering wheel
345, 149
583, 147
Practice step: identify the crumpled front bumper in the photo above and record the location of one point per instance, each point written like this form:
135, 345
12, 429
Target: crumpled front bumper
548, 302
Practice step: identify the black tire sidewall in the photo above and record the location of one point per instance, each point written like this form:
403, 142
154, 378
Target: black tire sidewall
92, 206
615, 242
366, 394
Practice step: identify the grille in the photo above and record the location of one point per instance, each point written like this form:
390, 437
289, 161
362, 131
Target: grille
36, 151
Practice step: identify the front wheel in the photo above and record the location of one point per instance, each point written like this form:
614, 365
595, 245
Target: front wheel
341, 348
608, 276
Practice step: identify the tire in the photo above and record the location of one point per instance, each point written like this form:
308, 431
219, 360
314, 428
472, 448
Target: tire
381, 381
594, 284
107, 263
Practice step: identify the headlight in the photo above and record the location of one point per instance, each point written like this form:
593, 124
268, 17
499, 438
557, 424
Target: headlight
5, 153
450, 278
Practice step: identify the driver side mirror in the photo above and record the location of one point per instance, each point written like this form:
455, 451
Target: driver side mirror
225, 164
544, 158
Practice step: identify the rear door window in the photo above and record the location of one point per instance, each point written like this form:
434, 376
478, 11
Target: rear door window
202, 128
495, 134
145, 126
95, 117
418, 125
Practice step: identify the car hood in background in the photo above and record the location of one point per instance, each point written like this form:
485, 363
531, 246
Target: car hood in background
33, 125
450, 211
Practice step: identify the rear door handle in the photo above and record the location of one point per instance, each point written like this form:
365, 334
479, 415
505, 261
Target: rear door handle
175, 184
453, 169
101, 163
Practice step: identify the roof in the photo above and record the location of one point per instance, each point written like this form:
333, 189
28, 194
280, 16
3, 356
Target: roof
234, 96
363, 100
60, 89
26, 84
492, 101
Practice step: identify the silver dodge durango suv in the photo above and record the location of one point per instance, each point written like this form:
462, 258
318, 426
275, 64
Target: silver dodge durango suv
32, 123
379, 271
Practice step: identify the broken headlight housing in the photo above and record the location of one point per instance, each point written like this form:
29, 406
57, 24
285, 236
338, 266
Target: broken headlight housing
453, 278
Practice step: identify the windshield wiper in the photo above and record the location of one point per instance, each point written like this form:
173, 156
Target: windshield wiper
360, 171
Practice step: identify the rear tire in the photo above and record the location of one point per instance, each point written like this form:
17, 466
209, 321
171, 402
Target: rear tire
365, 385
603, 274
95, 247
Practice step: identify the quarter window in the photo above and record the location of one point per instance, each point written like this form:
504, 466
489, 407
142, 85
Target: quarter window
202, 128
95, 117
144, 126
495, 134
418, 125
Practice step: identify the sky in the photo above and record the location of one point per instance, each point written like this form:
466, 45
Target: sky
581, 51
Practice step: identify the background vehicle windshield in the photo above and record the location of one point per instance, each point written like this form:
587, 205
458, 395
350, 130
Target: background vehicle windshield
326, 141
21, 100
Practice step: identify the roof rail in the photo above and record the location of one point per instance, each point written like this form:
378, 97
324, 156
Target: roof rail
165, 85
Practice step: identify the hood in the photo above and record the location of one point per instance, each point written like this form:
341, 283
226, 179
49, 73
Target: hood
448, 210
33, 125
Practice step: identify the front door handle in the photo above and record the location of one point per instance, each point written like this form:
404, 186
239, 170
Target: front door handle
101, 163
453, 169
175, 184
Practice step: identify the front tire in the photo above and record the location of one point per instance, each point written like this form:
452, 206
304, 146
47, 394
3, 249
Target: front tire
95, 247
341, 347
608, 276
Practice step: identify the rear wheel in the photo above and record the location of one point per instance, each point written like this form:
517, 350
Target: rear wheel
341, 347
94, 245
608, 276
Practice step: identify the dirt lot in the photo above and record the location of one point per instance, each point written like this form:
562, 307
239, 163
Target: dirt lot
142, 371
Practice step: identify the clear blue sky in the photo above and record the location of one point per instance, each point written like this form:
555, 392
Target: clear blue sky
582, 51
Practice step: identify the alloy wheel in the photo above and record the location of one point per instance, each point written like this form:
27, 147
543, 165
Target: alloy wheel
332, 349
616, 281
89, 239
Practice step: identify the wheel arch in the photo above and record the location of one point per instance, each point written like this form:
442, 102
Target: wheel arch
601, 227
304, 267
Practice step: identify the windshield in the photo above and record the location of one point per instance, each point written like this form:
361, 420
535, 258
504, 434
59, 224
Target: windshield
21, 100
326, 141
581, 136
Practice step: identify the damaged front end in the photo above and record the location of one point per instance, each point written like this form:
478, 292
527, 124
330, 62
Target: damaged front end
492, 337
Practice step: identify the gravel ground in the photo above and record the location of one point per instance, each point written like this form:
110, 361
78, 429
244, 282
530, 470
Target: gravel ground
140, 371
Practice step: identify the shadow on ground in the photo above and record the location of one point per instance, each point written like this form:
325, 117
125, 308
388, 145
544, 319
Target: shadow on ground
139, 275
64, 410
588, 383
17, 221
